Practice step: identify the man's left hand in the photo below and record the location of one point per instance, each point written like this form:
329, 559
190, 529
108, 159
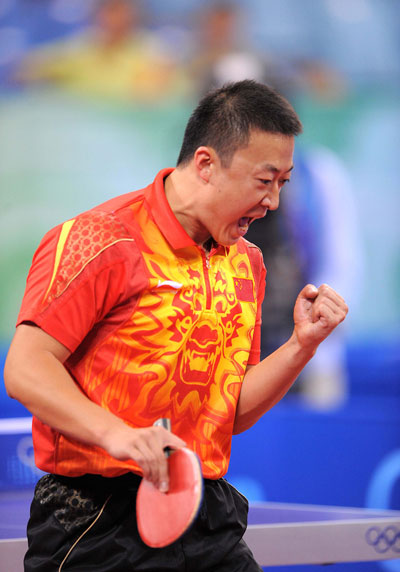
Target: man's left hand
317, 312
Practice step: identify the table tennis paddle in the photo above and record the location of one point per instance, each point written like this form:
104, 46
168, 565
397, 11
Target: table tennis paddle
163, 517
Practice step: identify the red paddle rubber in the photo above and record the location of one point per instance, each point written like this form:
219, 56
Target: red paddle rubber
163, 517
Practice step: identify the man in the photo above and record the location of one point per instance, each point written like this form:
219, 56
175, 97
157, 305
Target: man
149, 306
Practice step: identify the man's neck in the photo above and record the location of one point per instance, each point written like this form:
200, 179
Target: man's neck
181, 192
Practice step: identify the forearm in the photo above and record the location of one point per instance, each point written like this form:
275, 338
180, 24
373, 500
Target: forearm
35, 375
267, 382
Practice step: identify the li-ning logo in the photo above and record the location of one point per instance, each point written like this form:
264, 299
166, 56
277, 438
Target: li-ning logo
384, 539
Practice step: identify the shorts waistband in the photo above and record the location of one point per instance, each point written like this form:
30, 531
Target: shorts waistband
126, 481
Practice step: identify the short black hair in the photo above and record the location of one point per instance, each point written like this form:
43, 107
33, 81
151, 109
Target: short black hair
225, 117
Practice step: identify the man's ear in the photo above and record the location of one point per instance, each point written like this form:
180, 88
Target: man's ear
204, 158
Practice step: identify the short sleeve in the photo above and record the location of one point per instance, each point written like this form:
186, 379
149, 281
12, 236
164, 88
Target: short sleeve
80, 271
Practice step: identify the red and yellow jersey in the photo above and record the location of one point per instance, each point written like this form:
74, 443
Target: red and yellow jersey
156, 328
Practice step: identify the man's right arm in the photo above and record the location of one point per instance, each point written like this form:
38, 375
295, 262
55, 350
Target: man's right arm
34, 374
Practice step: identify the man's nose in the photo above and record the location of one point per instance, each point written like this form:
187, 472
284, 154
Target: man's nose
271, 200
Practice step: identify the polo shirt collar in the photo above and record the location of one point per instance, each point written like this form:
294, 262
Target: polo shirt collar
166, 221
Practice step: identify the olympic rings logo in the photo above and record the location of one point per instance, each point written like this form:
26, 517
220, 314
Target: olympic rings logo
384, 540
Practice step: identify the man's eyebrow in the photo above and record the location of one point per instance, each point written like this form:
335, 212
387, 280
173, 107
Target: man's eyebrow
273, 169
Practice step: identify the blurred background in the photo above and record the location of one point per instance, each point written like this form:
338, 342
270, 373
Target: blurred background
94, 98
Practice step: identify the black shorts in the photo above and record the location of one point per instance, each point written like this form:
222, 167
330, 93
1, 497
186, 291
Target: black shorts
89, 523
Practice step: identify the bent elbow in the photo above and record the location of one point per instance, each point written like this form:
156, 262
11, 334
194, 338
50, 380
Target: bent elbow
11, 378
8, 383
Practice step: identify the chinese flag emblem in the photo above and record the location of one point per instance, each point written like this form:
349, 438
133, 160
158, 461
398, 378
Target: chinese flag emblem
244, 289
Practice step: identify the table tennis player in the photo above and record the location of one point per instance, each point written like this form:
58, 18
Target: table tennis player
149, 306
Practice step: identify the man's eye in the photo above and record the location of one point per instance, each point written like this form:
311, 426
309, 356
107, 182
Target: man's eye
283, 182
266, 181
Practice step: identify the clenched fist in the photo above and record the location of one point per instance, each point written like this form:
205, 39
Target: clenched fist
316, 314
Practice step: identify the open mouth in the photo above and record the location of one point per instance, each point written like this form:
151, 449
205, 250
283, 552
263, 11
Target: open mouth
243, 224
